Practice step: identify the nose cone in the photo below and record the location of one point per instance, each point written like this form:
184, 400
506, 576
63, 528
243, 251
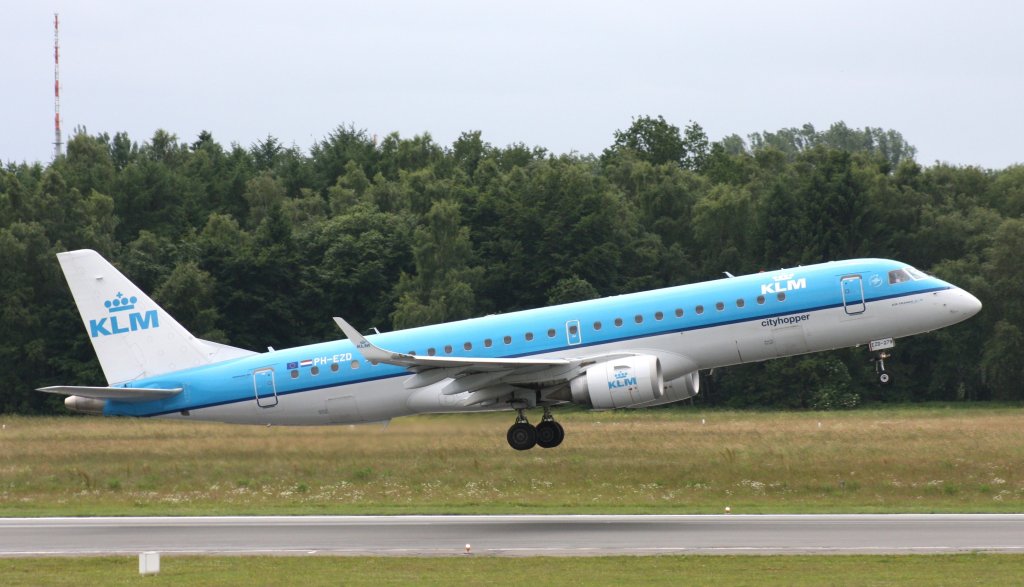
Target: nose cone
965, 304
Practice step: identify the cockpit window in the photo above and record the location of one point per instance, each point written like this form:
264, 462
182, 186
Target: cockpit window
905, 274
898, 276
915, 273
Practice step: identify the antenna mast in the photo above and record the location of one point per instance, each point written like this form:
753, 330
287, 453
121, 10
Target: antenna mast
57, 142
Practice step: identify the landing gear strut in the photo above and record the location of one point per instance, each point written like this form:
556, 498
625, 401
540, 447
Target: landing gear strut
524, 436
883, 376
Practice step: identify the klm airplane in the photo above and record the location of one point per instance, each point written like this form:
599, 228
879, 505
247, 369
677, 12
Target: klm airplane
629, 351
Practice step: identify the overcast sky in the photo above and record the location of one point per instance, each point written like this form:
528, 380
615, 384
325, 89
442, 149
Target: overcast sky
561, 75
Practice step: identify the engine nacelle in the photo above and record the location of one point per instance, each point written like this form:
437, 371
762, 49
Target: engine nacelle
619, 383
684, 387
680, 388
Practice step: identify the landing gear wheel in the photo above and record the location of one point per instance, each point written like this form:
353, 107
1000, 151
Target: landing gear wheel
522, 436
550, 434
884, 378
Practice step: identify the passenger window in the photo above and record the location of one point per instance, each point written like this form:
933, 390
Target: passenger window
507, 339
618, 321
659, 316
597, 325
700, 310
468, 346
679, 312
487, 343
431, 351
551, 332
573, 329
447, 349
529, 336
719, 306
334, 367
638, 319
781, 296
295, 374
740, 303
760, 299
354, 364
315, 371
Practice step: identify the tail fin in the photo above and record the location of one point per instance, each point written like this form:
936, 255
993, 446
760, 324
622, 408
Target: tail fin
132, 335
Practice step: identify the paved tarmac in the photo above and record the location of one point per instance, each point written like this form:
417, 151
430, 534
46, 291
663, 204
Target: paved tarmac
532, 535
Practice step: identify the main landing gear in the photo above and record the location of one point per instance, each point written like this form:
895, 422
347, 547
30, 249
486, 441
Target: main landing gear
524, 436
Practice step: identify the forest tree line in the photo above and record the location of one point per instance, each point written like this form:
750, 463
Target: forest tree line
258, 247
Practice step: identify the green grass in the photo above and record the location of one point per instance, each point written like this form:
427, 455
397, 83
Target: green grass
911, 459
960, 569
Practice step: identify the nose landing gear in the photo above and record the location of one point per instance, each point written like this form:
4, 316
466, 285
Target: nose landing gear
523, 436
883, 376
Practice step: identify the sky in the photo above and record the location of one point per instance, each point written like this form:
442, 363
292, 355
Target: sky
563, 75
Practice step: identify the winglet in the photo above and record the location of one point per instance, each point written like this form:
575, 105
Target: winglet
370, 351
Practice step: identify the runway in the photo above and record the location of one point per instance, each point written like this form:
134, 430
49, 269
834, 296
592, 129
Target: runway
555, 535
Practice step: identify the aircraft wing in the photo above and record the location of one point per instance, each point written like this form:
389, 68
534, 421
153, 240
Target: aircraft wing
486, 379
121, 394
417, 363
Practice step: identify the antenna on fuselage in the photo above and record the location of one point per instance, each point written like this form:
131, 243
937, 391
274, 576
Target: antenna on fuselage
727, 274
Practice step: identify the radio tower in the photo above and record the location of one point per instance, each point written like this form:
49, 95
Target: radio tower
57, 142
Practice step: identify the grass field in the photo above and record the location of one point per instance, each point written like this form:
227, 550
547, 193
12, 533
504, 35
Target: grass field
959, 570
914, 459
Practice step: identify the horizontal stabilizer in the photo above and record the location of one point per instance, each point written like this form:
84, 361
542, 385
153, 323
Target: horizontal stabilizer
121, 394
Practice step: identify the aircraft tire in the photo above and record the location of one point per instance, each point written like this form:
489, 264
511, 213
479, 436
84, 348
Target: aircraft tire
522, 436
550, 434
884, 378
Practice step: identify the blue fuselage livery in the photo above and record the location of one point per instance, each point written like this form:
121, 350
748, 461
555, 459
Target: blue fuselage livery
634, 350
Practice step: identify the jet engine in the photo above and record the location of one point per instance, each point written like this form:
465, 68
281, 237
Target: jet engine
619, 383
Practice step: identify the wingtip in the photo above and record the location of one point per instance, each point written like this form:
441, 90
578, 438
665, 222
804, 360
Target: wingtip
350, 332
370, 351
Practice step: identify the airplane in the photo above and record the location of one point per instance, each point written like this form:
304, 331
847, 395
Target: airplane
628, 351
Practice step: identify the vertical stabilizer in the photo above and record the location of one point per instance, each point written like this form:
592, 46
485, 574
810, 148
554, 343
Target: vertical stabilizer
133, 337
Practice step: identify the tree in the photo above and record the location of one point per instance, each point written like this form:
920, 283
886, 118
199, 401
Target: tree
442, 288
650, 139
189, 294
571, 289
695, 147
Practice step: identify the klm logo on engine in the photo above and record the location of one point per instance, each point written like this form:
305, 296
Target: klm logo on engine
783, 282
123, 318
622, 379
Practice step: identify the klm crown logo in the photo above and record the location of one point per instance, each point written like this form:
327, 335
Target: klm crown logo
620, 379
120, 303
117, 307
